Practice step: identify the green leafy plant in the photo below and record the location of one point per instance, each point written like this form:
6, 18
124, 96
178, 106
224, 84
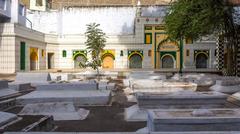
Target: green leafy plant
96, 41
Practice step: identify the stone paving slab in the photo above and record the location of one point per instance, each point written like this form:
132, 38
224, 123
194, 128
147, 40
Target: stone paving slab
78, 97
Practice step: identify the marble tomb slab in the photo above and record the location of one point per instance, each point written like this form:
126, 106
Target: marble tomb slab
6, 118
194, 120
181, 98
226, 86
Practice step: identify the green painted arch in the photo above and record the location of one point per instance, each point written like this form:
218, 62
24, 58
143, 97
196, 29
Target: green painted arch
204, 53
171, 53
135, 53
107, 54
79, 53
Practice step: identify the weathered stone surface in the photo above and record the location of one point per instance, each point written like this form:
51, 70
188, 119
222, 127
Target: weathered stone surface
59, 111
7, 104
146, 75
61, 76
3, 84
235, 99
161, 86
77, 96
5, 90
199, 79
181, 98
68, 86
6, 118
184, 120
33, 78
21, 87
226, 86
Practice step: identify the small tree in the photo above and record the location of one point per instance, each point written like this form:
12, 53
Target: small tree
95, 43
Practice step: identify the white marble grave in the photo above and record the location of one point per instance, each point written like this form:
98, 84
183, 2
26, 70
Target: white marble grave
59, 111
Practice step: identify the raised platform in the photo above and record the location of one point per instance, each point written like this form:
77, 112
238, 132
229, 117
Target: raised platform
178, 100
193, 120
78, 97
33, 78
151, 100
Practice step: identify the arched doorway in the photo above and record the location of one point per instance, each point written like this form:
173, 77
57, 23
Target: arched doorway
108, 62
33, 60
79, 59
167, 61
135, 61
201, 60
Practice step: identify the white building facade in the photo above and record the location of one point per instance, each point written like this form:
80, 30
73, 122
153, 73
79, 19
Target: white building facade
56, 40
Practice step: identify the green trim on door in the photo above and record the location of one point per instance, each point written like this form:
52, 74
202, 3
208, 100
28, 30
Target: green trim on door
145, 38
163, 53
22, 55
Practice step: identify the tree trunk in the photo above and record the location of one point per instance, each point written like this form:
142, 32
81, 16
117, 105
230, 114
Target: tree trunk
98, 78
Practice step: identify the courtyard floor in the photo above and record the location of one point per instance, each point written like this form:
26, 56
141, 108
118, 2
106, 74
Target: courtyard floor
100, 119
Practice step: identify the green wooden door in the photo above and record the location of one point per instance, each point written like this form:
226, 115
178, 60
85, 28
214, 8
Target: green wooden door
135, 61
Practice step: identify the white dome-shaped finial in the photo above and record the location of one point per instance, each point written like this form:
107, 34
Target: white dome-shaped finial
139, 3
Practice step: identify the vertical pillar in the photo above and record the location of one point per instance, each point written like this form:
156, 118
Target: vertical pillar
220, 53
238, 57
22, 55
181, 55
155, 52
